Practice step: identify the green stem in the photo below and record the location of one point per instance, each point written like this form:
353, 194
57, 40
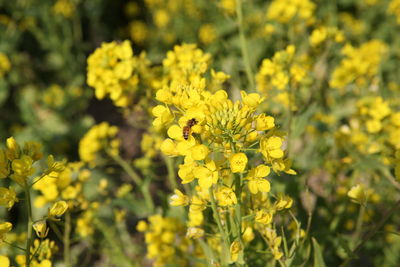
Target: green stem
243, 44
55, 229
359, 224
370, 234
109, 236
12, 245
29, 227
127, 168
217, 218
238, 210
290, 121
147, 196
66, 241
143, 186
171, 172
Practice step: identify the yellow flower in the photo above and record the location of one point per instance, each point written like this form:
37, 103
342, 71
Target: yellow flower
41, 228
264, 217
161, 18
238, 162
99, 137
207, 34
226, 196
235, 249
271, 147
252, 100
32, 149
179, 199
257, 181
168, 147
219, 77
200, 152
64, 8
163, 116
142, 226
22, 169
5, 64
8, 197
194, 232
185, 172
4, 228
4, 166
283, 202
248, 234
138, 31
207, 174
58, 209
4, 261
13, 150
357, 194
264, 122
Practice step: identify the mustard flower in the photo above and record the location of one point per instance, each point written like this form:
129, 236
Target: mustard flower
226, 196
186, 172
41, 228
194, 232
207, 174
4, 166
271, 147
4, 261
285, 10
235, 249
238, 162
13, 149
359, 65
98, 138
22, 169
256, 179
264, 122
207, 34
4, 228
163, 116
58, 209
358, 194
200, 152
114, 71
179, 199
264, 217
274, 242
8, 197
283, 202
141, 226
394, 9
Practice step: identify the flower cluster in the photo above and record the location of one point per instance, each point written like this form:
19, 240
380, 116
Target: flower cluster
16, 163
165, 240
114, 71
323, 34
277, 75
220, 140
394, 9
287, 10
360, 65
68, 186
373, 128
99, 137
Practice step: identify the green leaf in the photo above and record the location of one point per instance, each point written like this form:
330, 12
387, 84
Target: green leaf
318, 258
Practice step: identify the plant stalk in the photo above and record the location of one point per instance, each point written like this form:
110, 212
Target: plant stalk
243, 45
29, 227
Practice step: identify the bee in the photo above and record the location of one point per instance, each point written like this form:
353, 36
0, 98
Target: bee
186, 129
